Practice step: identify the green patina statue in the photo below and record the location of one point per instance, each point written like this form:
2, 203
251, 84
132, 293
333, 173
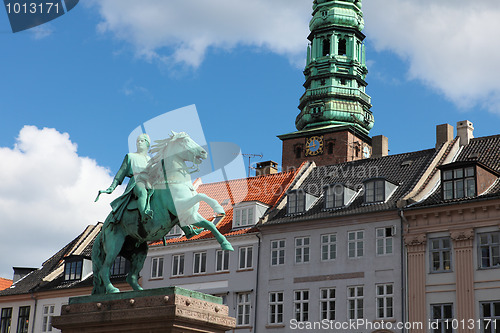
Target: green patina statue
159, 195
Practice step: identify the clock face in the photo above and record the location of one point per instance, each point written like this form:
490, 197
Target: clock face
314, 146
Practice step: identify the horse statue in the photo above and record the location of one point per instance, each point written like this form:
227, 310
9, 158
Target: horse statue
173, 201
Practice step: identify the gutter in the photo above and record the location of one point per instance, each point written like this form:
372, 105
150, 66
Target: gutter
404, 273
257, 285
33, 297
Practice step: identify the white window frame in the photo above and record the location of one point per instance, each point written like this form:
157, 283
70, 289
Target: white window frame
492, 245
278, 252
276, 303
47, 314
384, 245
221, 261
355, 302
301, 305
243, 309
437, 247
157, 267
489, 323
296, 202
245, 260
375, 191
302, 249
178, 263
443, 323
328, 247
201, 257
327, 300
176, 231
244, 217
355, 244
384, 301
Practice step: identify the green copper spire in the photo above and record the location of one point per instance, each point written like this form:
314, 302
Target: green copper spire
335, 71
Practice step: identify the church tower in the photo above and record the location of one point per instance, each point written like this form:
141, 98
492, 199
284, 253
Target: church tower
335, 117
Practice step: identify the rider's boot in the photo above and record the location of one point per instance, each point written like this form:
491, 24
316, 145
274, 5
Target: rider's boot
189, 231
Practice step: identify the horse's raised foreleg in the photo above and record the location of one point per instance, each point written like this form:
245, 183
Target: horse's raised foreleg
136, 263
184, 204
112, 243
224, 243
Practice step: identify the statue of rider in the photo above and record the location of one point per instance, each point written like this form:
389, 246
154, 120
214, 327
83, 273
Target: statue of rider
133, 164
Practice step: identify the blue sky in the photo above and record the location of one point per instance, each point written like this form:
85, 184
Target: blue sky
93, 75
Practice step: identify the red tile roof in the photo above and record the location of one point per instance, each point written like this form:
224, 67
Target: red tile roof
265, 189
5, 283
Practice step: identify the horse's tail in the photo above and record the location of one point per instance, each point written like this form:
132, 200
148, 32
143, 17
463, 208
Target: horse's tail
98, 256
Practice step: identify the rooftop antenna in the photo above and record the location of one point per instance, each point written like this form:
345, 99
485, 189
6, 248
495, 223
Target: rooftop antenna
250, 156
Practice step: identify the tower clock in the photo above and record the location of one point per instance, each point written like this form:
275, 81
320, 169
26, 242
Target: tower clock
314, 146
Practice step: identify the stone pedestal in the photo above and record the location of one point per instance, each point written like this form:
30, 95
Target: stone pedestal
157, 310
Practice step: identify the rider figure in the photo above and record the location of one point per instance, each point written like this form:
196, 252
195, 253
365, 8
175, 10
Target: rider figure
133, 164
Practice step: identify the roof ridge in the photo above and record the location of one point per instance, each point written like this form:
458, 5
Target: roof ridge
281, 174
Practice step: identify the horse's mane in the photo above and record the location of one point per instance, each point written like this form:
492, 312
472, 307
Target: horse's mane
154, 169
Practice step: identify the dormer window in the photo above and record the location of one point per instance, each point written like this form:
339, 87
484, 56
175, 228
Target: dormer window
246, 214
378, 190
73, 270
76, 267
338, 196
466, 179
298, 201
459, 183
176, 231
121, 266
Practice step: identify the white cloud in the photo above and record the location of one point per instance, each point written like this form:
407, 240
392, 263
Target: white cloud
180, 32
46, 196
42, 31
450, 45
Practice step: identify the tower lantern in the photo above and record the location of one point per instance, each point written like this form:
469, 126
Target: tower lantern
335, 117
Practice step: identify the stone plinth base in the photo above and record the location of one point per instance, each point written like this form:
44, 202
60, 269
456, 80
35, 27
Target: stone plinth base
157, 310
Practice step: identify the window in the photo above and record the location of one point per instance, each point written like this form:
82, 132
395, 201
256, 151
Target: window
326, 47
296, 202
73, 270
244, 217
6, 318
334, 196
384, 240
327, 304
328, 247
23, 320
442, 314
330, 148
342, 50
355, 244
301, 250
245, 257
200, 263
355, 302
222, 261
298, 152
490, 316
178, 264
120, 266
156, 267
440, 250
176, 231
48, 313
375, 191
458, 183
489, 249
301, 305
385, 301
276, 308
278, 252
243, 309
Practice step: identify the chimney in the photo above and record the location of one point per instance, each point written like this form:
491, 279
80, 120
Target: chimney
20, 272
444, 133
380, 146
266, 168
465, 131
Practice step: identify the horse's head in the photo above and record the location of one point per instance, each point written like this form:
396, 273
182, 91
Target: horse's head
182, 146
